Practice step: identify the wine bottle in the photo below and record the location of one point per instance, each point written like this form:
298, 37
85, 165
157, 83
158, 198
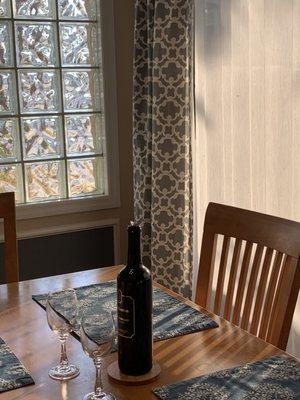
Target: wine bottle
134, 310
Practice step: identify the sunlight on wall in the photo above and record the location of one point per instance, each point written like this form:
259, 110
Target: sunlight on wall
247, 79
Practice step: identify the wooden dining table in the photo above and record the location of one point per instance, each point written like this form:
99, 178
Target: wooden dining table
24, 328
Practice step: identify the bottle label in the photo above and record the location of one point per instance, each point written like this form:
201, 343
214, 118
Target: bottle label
126, 316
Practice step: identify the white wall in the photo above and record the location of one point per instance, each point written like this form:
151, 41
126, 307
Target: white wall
247, 77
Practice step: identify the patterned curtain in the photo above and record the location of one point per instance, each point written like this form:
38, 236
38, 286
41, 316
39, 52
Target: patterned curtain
162, 138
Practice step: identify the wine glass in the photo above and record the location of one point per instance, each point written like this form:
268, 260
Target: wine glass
98, 335
61, 311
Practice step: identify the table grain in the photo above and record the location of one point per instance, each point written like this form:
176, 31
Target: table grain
24, 328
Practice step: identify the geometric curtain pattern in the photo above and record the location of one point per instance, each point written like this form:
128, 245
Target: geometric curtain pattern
162, 129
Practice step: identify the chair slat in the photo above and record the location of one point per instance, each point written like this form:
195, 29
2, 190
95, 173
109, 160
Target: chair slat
242, 283
270, 295
277, 317
232, 278
205, 275
261, 291
221, 275
285, 263
251, 286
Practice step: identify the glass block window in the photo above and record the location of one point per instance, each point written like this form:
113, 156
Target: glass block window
51, 108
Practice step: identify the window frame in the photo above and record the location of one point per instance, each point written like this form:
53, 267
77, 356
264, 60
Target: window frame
110, 155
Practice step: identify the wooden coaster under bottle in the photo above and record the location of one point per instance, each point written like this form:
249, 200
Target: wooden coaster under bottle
116, 375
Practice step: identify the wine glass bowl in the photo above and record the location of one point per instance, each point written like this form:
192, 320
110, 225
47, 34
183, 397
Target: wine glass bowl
57, 322
61, 309
97, 339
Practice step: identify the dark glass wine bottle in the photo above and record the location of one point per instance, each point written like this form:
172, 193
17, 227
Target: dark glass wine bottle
134, 310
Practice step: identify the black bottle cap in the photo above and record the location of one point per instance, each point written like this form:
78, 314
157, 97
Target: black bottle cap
133, 228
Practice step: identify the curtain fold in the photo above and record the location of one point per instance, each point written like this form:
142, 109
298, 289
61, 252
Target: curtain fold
162, 126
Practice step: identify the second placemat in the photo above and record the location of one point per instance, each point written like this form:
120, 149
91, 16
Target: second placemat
171, 317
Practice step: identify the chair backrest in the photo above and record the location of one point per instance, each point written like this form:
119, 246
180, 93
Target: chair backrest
258, 275
8, 213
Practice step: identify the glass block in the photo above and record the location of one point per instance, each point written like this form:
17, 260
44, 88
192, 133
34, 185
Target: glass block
78, 44
39, 91
5, 44
9, 140
11, 180
5, 9
7, 92
42, 137
80, 90
84, 177
36, 44
77, 9
83, 134
44, 181
34, 8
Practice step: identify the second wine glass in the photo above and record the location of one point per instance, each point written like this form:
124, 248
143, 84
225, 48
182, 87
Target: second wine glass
97, 338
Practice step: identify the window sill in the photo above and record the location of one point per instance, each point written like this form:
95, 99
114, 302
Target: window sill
69, 206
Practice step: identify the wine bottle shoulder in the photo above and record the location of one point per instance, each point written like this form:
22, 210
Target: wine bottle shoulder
140, 273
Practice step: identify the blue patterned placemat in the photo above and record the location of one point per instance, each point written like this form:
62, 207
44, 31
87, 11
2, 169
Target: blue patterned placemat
275, 378
12, 373
171, 317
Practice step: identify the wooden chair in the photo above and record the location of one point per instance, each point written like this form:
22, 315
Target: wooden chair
8, 213
264, 284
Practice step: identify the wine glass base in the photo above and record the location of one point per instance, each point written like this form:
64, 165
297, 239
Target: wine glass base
102, 396
64, 373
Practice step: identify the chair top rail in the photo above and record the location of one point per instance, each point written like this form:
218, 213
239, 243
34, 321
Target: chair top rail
277, 233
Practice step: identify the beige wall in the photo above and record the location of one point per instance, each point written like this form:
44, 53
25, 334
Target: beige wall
123, 19
248, 109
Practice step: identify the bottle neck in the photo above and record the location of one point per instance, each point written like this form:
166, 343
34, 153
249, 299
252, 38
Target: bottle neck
134, 258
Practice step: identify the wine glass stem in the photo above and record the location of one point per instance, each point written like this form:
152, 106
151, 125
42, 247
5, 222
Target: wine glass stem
98, 382
63, 353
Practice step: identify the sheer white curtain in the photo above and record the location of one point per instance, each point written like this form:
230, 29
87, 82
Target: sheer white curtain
247, 139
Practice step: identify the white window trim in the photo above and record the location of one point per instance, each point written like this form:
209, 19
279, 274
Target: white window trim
112, 199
